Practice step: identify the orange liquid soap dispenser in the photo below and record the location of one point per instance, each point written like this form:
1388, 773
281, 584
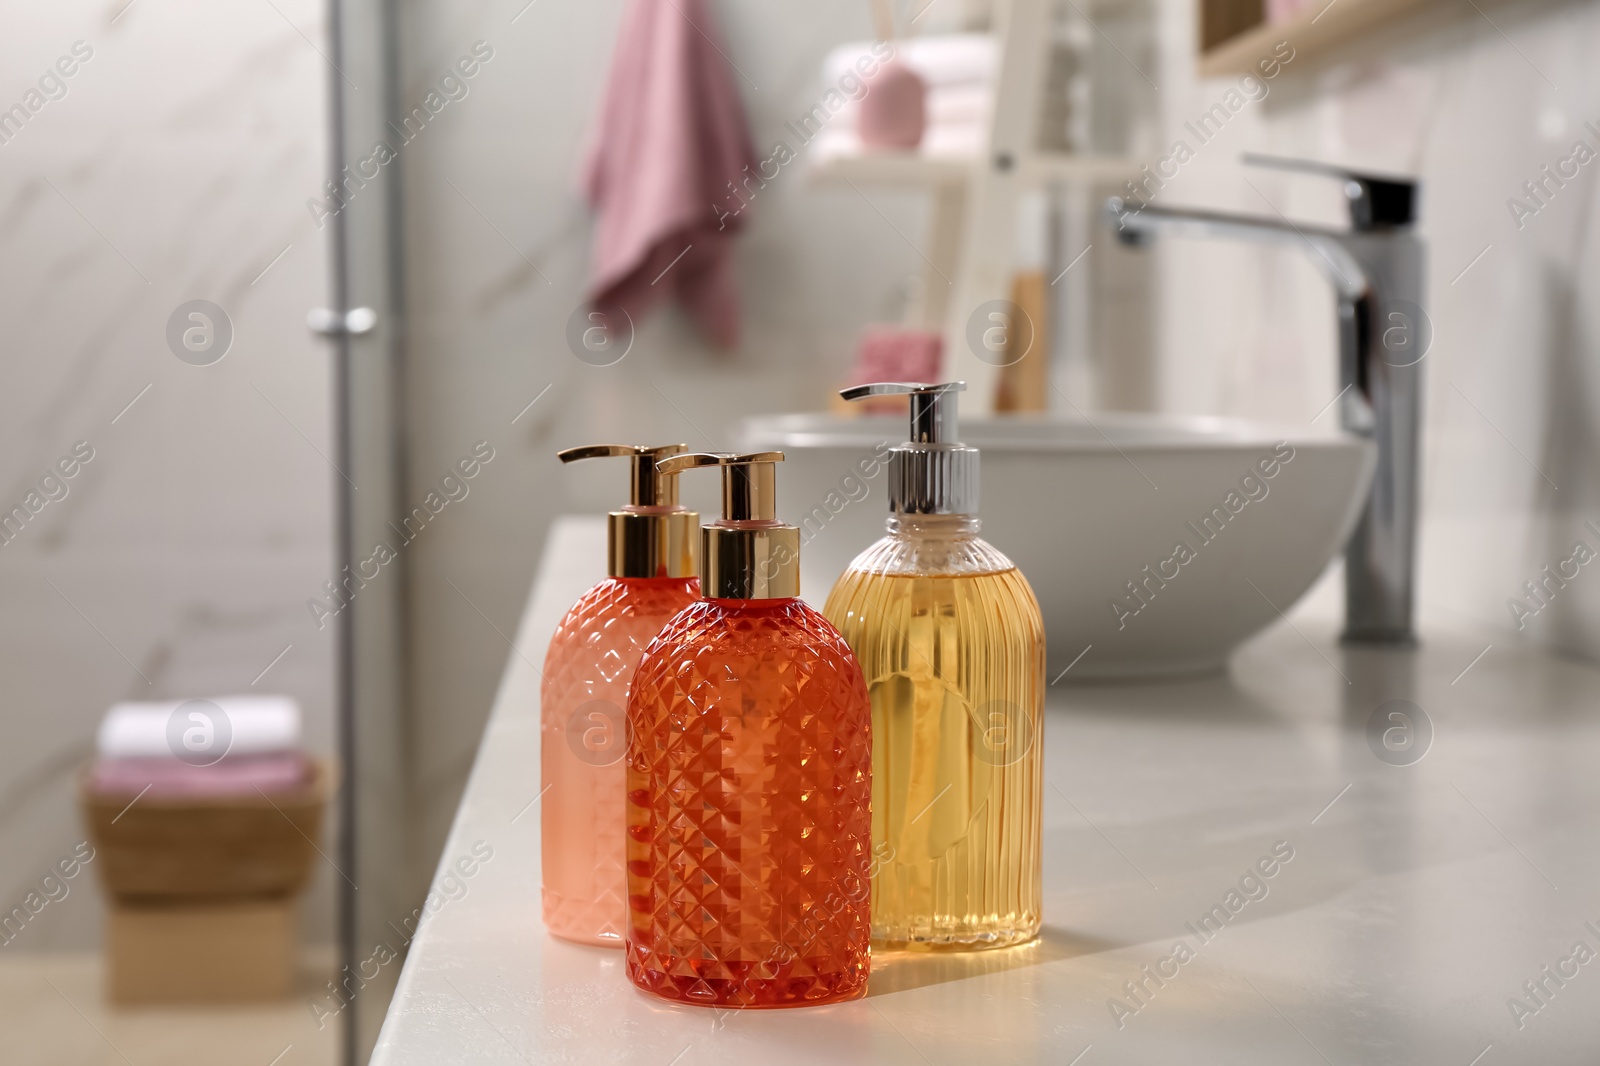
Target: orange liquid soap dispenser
749, 777
951, 641
652, 559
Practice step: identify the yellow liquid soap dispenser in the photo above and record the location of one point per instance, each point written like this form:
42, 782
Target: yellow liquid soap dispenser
951, 642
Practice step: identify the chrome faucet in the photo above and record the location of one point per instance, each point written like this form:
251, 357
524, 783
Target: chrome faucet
1376, 269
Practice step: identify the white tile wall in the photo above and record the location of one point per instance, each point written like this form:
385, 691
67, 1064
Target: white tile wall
497, 243
1473, 103
487, 331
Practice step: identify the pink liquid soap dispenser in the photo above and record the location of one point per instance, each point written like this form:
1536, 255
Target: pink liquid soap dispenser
653, 558
749, 777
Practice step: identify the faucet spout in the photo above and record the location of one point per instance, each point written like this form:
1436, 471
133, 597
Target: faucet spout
1376, 270
1328, 253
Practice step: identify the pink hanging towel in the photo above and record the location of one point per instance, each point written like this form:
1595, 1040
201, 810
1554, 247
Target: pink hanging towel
671, 138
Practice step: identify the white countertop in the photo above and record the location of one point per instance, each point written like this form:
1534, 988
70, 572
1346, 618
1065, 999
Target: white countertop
1418, 901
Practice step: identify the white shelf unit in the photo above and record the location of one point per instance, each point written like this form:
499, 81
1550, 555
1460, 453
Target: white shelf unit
907, 169
969, 250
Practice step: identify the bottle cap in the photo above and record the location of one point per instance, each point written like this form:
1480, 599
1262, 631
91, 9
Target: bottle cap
747, 554
652, 536
933, 472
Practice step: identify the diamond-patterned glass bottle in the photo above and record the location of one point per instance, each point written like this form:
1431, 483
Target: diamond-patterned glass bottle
749, 779
583, 738
584, 695
749, 810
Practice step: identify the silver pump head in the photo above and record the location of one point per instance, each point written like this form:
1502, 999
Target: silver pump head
933, 472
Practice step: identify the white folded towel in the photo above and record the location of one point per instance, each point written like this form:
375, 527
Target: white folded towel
955, 140
254, 725
945, 59
969, 102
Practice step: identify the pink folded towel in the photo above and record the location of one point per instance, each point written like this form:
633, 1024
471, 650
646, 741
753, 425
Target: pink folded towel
666, 170
898, 353
234, 775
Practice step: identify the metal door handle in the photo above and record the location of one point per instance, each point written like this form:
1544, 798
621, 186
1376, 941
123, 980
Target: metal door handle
352, 323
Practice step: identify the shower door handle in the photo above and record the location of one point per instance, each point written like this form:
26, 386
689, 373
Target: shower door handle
355, 322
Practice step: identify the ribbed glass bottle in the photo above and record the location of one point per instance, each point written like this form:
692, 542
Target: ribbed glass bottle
951, 642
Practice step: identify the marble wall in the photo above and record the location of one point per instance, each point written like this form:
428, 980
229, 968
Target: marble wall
172, 165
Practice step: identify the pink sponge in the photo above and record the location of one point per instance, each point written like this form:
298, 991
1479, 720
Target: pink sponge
894, 110
892, 353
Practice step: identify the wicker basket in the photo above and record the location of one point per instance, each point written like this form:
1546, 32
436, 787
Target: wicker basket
181, 848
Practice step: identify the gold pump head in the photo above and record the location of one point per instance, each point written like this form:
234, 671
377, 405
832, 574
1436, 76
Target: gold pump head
652, 536
747, 554
933, 472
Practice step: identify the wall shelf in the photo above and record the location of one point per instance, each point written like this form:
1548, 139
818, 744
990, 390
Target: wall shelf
910, 169
1234, 34
890, 168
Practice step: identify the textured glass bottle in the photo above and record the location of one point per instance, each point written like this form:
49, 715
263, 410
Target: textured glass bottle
582, 743
749, 781
951, 641
584, 695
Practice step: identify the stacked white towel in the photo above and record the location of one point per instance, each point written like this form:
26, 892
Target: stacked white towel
223, 747
959, 70
260, 725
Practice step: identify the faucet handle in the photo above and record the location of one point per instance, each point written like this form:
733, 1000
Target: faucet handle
1376, 202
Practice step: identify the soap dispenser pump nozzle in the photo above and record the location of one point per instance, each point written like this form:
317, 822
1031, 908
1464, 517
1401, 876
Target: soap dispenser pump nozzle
747, 554
653, 536
933, 472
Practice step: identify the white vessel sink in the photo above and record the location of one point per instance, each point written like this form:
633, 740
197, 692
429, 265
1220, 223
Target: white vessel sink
1084, 509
